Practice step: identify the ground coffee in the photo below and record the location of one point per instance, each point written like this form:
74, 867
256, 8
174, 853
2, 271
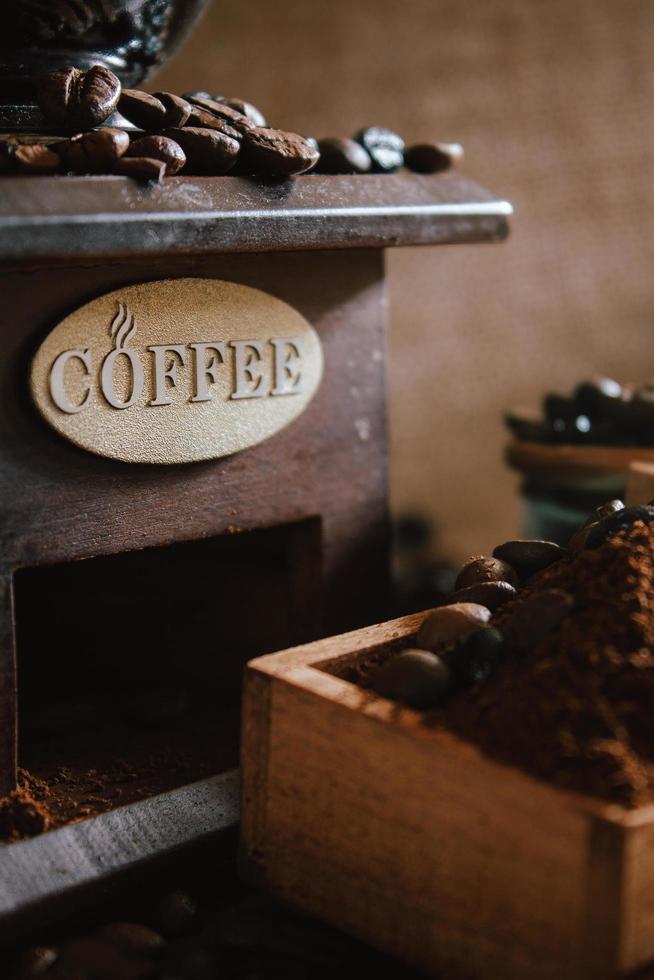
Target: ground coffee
576, 706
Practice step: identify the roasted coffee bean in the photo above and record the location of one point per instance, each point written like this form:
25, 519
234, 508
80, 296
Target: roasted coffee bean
35, 962
159, 148
94, 152
176, 915
578, 540
449, 623
489, 594
432, 158
207, 151
478, 570
528, 427
605, 510
528, 557
532, 619
141, 168
221, 110
35, 159
78, 99
618, 521
201, 119
342, 157
385, 148
417, 678
564, 420
567, 423
144, 110
558, 407
177, 109
131, 938
246, 109
599, 398
476, 656
274, 153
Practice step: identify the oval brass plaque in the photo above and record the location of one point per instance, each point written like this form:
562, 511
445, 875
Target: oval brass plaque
176, 371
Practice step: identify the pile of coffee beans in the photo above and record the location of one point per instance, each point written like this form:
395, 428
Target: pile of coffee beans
598, 412
459, 644
196, 134
555, 673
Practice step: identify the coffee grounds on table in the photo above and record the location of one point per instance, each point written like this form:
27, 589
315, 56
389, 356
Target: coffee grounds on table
22, 814
578, 708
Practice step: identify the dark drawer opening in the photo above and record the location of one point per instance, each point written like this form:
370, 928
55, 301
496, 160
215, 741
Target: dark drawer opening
130, 665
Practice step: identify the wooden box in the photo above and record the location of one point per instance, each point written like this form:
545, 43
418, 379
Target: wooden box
411, 839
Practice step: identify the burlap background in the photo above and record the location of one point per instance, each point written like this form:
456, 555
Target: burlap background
554, 101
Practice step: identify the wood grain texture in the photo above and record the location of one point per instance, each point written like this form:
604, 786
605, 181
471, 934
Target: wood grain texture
359, 812
49, 877
74, 217
574, 461
59, 503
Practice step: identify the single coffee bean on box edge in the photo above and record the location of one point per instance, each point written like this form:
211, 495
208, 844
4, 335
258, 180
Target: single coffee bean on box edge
159, 148
35, 159
528, 557
489, 594
208, 152
276, 153
482, 569
141, 168
449, 623
78, 99
417, 678
385, 148
432, 158
619, 521
95, 151
534, 618
342, 156
475, 658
